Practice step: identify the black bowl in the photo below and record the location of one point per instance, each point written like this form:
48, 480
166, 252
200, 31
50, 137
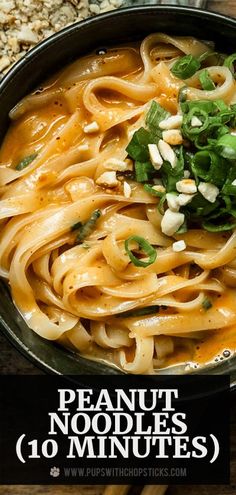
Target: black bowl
57, 51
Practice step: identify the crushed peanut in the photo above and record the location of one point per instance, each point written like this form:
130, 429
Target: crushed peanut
23, 23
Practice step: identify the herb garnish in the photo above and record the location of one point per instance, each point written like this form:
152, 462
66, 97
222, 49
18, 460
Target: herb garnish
25, 161
76, 226
207, 304
155, 115
145, 247
85, 229
230, 63
137, 149
208, 155
148, 310
188, 65
206, 81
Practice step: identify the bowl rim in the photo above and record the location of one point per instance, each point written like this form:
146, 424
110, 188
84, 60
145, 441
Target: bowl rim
120, 12
42, 46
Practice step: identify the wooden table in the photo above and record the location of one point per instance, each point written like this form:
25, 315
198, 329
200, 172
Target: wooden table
227, 7
12, 362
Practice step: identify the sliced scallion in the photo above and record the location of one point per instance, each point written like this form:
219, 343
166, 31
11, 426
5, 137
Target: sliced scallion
207, 304
140, 312
86, 228
206, 105
25, 161
154, 116
186, 67
208, 153
230, 61
226, 146
182, 96
209, 166
77, 226
223, 227
149, 189
143, 171
137, 148
160, 205
188, 129
206, 81
145, 247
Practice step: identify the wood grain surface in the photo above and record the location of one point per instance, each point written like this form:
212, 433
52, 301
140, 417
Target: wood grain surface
227, 7
12, 362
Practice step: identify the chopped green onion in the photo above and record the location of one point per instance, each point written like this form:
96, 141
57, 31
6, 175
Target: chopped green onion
221, 131
221, 105
161, 203
230, 61
226, 146
206, 81
228, 187
188, 129
205, 105
208, 153
137, 148
209, 166
206, 304
143, 171
228, 204
25, 161
182, 96
87, 228
172, 175
183, 229
159, 194
233, 107
140, 312
154, 116
186, 67
149, 189
200, 207
145, 246
224, 227
76, 226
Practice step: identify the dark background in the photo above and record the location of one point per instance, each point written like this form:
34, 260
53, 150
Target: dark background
27, 399
11, 362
